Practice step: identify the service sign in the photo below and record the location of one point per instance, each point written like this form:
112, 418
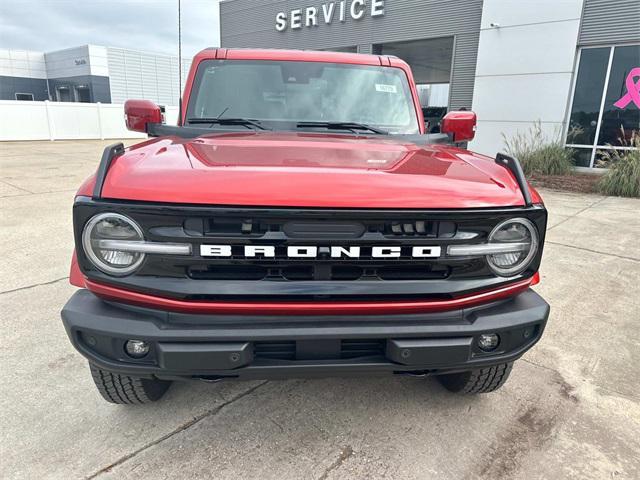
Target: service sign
328, 13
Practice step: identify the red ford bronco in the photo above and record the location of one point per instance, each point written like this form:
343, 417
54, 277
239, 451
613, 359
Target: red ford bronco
299, 221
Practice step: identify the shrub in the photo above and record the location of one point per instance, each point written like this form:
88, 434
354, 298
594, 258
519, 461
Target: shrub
623, 175
538, 153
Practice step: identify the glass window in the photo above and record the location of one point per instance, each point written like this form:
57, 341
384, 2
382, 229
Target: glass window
430, 62
621, 112
282, 94
581, 156
353, 49
587, 98
430, 59
606, 102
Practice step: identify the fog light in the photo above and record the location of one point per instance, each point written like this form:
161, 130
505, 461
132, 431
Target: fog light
488, 342
136, 348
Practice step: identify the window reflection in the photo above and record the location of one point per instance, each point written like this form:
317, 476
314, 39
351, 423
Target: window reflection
618, 123
581, 157
282, 93
588, 95
620, 115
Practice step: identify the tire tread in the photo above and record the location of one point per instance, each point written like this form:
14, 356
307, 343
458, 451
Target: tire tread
482, 380
126, 390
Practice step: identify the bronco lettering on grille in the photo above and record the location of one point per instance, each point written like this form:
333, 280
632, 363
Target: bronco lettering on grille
269, 251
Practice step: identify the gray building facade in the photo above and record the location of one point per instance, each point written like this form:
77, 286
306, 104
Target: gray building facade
439, 39
90, 74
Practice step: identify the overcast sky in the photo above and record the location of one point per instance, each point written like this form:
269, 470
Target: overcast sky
47, 25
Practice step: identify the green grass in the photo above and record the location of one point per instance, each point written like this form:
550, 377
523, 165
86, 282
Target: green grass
539, 153
623, 176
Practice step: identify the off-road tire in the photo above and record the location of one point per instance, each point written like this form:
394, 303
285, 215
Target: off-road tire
126, 390
482, 380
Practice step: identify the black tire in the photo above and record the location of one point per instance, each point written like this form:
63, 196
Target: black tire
126, 390
482, 380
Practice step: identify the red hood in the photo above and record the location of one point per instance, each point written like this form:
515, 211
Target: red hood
308, 170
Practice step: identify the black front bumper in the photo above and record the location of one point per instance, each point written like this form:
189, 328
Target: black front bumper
225, 346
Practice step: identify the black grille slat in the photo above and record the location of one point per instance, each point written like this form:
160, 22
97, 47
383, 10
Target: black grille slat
346, 272
298, 273
324, 229
316, 229
412, 272
349, 349
361, 348
420, 228
228, 272
231, 226
317, 271
285, 350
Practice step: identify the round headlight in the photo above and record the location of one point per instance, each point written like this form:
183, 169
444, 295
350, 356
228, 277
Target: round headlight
513, 231
112, 226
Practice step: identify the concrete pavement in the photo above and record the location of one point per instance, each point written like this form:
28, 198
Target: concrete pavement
571, 408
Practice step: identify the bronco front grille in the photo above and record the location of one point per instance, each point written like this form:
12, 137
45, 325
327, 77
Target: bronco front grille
322, 277
282, 232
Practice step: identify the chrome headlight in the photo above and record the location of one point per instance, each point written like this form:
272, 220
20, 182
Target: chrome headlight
519, 239
101, 238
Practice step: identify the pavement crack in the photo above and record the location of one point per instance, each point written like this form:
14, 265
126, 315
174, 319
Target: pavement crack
35, 285
345, 454
623, 257
540, 366
16, 187
30, 194
277, 424
606, 389
197, 419
578, 212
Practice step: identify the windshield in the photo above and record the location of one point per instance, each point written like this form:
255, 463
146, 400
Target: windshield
282, 95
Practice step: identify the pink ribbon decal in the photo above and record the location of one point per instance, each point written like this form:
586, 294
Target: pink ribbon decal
633, 90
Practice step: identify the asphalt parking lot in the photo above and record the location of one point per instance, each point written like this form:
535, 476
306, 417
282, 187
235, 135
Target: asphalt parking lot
571, 408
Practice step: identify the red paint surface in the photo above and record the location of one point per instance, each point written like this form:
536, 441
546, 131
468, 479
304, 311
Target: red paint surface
462, 125
138, 113
306, 308
285, 169
76, 278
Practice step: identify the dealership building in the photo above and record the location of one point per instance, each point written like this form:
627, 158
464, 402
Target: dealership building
90, 74
573, 66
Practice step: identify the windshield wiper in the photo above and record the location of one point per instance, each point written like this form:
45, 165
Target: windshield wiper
342, 126
246, 122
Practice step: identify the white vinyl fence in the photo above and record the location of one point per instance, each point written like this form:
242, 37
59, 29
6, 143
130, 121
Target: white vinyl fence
23, 120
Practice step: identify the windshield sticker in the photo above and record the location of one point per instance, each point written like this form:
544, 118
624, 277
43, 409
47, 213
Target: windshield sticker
386, 88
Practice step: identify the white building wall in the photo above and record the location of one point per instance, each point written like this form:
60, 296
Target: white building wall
98, 64
525, 68
21, 120
22, 63
144, 75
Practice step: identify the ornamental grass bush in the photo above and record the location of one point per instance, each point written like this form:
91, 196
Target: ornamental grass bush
538, 153
623, 175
